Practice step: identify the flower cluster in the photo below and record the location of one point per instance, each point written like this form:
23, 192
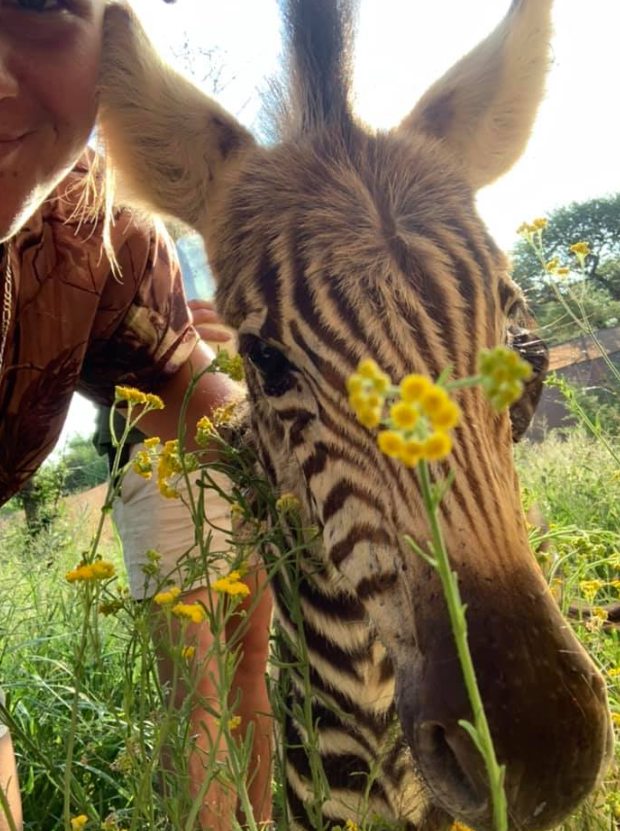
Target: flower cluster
502, 373
420, 413
134, 397
189, 611
590, 588
90, 572
231, 585
287, 504
205, 429
167, 598
230, 365
529, 229
78, 823
581, 251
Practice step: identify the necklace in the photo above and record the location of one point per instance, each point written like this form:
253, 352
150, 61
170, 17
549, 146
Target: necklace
7, 302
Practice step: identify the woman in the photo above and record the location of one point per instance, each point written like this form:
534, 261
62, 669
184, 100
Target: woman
67, 323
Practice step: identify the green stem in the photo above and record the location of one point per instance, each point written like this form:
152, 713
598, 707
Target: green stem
480, 733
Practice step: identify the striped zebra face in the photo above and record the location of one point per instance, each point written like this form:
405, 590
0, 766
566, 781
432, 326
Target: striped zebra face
335, 245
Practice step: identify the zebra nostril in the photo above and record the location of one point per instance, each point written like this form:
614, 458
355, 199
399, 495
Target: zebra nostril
451, 766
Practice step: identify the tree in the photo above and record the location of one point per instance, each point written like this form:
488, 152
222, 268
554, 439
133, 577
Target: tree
597, 222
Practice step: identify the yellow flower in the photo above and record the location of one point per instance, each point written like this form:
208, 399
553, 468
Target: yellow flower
142, 464
369, 369
287, 504
411, 453
503, 372
458, 826
351, 826
615, 717
224, 415
231, 585
189, 611
355, 383
369, 417
151, 443
88, 572
188, 652
204, 430
234, 722
590, 588
77, 823
580, 249
404, 415
236, 511
436, 446
391, 443
130, 395
231, 366
552, 265
540, 223
167, 597
412, 387
613, 672
447, 416
563, 271
154, 401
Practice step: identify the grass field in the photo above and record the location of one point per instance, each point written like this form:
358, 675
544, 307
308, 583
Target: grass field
119, 717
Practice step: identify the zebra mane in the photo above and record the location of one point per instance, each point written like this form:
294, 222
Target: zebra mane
318, 37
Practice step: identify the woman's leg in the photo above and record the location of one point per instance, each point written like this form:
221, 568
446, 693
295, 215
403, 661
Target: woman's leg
9, 783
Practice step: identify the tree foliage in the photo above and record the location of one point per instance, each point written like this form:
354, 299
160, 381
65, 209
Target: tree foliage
596, 222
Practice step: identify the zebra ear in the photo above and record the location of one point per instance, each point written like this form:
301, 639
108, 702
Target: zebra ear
168, 143
484, 107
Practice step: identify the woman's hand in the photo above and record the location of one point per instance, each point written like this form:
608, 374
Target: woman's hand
205, 320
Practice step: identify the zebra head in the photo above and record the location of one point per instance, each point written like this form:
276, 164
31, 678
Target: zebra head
337, 243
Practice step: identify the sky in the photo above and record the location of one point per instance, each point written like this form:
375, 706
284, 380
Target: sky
402, 46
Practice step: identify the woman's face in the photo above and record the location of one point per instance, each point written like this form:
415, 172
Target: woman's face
49, 64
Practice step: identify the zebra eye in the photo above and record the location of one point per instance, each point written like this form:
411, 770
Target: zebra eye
270, 362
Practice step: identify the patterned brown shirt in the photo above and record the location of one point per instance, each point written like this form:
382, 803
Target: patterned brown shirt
75, 325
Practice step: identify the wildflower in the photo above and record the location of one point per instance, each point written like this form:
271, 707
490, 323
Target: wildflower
231, 366
590, 588
351, 826
170, 465
167, 597
447, 417
503, 373
615, 717
152, 442
553, 265
154, 401
231, 585
152, 556
404, 415
234, 722
412, 387
369, 417
436, 446
237, 512
580, 250
458, 826
188, 652
189, 611
223, 415
89, 572
204, 430
130, 395
391, 443
287, 504
412, 452
613, 672
142, 464
600, 613
77, 823
368, 369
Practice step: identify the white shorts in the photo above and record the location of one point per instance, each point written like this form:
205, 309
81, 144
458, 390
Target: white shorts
147, 520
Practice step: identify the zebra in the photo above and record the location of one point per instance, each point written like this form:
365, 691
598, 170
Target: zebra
337, 243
